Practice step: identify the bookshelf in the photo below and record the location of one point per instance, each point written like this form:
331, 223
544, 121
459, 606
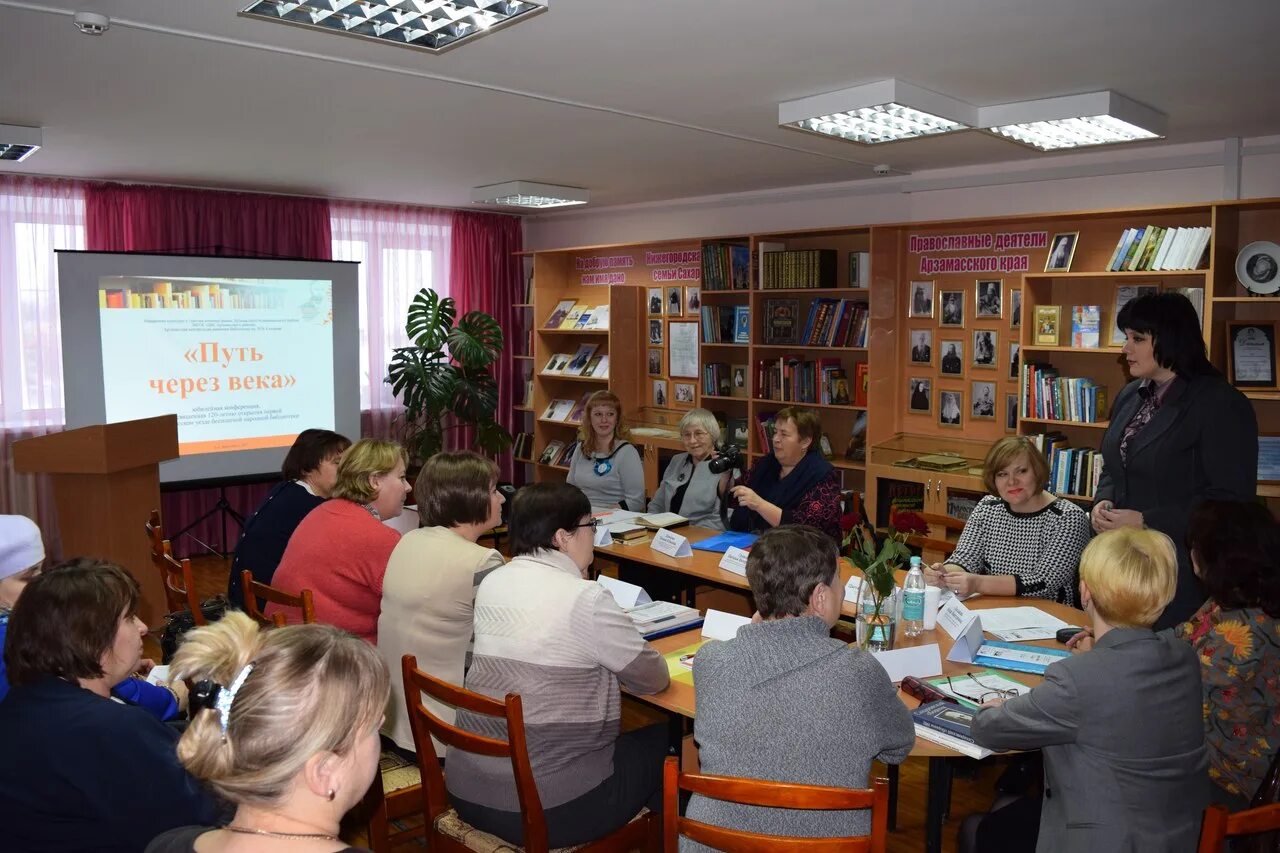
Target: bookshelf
521, 342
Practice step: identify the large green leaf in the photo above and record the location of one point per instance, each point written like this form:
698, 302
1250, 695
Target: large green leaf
476, 341
430, 319
475, 395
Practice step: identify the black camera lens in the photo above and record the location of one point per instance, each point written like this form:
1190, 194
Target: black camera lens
730, 457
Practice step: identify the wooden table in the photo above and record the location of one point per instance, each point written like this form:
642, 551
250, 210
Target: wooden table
678, 698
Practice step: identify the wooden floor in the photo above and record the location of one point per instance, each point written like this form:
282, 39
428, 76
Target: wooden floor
968, 795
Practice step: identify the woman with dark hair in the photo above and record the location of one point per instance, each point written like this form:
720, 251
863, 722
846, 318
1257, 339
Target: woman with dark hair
1235, 550
432, 576
792, 485
310, 469
560, 641
82, 771
769, 697
1179, 435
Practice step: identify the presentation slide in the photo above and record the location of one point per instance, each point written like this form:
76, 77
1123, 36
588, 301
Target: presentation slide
247, 353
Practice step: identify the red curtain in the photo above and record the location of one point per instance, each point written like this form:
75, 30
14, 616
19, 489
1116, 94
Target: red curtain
135, 218
486, 275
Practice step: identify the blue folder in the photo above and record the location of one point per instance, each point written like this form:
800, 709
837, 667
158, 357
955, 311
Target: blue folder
725, 541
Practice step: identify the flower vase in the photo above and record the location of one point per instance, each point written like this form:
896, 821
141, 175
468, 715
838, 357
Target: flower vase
877, 620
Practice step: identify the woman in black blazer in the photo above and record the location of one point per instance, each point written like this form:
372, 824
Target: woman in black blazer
1179, 435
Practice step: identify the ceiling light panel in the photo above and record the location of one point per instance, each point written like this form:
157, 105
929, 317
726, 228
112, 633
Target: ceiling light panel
884, 111
529, 194
17, 143
1074, 121
431, 25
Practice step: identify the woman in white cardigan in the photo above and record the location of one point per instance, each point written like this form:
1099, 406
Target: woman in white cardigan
430, 586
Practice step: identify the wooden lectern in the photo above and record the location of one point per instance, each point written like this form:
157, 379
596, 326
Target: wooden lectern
106, 481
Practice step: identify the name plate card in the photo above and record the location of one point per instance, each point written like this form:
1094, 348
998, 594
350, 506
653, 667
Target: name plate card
734, 560
671, 544
628, 595
718, 625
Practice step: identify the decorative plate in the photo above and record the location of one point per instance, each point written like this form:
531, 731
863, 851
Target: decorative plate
1258, 267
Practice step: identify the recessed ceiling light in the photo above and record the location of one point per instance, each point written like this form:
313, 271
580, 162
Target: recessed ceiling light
431, 25
884, 111
529, 194
1074, 121
18, 143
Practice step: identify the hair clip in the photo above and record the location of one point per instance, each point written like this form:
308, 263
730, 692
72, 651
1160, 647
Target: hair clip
228, 695
204, 695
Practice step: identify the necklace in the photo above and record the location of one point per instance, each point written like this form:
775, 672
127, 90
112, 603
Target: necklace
295, 836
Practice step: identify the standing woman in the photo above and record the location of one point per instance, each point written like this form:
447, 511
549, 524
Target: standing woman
605, 466
688, 486
1179, 435
340, 550
792, 485
310, 469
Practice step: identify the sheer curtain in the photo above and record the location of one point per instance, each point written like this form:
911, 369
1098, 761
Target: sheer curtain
37, 217
401, 249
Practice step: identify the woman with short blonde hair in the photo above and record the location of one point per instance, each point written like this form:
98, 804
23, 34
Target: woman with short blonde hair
1020, 539
604, 465
340, 550
289, 782
689, 487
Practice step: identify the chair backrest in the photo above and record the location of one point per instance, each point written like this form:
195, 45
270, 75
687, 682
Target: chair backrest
1218, 825
427, 725
253, 590
758, 792
938, 544
155, 535
179, 584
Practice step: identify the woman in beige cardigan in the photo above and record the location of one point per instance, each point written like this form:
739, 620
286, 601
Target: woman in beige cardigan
431, 580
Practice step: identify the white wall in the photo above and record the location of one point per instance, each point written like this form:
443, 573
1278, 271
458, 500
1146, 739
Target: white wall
1115, 178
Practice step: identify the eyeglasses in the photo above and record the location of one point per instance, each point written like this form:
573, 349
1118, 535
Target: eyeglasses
594, 524
695, 435
990, 693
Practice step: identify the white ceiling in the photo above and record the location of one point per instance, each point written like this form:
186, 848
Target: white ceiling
652, 99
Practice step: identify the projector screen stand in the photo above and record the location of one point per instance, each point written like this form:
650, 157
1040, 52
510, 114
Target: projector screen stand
220, 507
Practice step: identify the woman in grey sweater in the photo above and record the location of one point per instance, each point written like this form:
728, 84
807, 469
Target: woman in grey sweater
786, 702
688, 486
604, 465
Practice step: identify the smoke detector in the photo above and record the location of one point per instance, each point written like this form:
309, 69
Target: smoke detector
91, 23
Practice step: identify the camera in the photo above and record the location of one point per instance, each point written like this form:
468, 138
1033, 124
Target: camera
730, 457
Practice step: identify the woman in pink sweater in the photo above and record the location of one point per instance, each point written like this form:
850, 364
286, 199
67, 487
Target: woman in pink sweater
340, 550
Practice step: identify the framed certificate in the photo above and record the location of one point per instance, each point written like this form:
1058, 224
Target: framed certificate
1251, 354
1269, 458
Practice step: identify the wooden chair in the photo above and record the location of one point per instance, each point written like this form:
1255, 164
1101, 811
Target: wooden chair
253, 590
757, 792
1219, 825
446, 831
938, 545
155, 535
396, 793
179, 585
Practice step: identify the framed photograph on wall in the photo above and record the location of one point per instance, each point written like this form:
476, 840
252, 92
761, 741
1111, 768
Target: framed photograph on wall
951, 309
983, 401
655, 362
655, 331
920, 395
1013, 360
660, 392
1015, 308
684, 392
921, 346
952, 362
920, 299
655, 302
950, 405
989, 299
1251, 354
675, 301
1010, 412
985, 342
1062, 248
693, 301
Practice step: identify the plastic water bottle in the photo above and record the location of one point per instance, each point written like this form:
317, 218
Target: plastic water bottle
913, 600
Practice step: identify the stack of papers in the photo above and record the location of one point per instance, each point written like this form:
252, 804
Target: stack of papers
1013, 624
652, 618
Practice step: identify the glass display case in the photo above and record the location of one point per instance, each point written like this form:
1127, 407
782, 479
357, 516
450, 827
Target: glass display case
936, 475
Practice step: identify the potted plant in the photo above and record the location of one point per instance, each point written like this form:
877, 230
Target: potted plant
443, 378
878, 559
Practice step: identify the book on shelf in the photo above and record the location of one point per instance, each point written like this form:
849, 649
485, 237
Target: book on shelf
742, 324
764, 430
560, 314
1195, 295
1086, 326
528, 288
522, 446
800, 268
765, 247
528, 392
1124, 295
584, 319
558, 410
860, 383
781, 323
571, 319
557, 364
566, 453
719, 324
836, 384
855, 450
1072, 470
1153, 247
597, 320
836, 323
726, 266
551, 451
579, 409
824, 446
577, 364
860, 269
716, 379
597, 367
794, 379
1049, 396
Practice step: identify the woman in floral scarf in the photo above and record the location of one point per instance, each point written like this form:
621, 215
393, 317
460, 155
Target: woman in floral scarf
1235, 551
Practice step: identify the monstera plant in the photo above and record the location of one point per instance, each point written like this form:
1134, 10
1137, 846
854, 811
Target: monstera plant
444, 379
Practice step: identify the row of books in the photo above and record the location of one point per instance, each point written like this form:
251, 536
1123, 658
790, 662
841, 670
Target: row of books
557, 452
584, 362
796, 268
726, 324
793, 379
1156, 248
724, 380
1047, 395
572, 316
836, 323
522, 447
566, 410
164, 295
726, 266
1072, 470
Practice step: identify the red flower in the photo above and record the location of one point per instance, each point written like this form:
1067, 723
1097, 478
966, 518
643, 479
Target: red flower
848, 521
910, 522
